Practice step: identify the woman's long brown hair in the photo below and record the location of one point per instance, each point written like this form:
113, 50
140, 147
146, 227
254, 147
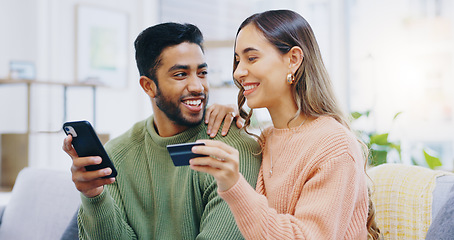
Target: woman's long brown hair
312, 89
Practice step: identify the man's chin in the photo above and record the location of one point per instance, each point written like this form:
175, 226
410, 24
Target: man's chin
193, 120
188, 120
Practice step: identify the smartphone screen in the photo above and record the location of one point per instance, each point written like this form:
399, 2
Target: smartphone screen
86, 143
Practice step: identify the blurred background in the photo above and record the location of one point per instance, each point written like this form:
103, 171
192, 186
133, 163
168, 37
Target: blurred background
391, 62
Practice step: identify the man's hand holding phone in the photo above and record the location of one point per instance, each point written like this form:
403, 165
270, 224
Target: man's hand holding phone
89, 183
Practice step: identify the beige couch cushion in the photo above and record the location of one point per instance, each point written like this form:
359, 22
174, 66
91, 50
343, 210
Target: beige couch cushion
41, 205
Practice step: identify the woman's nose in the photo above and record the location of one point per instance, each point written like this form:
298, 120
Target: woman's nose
240, 72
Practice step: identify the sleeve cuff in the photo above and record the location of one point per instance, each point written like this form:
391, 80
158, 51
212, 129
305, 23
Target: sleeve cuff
241, 192
97, 204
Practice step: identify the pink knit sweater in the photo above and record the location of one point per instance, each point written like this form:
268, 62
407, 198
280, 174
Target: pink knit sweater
317, 189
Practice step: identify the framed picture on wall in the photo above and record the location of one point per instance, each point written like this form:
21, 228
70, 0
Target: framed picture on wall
101, 46
22, 70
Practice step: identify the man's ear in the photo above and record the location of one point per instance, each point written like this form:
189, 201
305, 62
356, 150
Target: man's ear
296, 57
148, 86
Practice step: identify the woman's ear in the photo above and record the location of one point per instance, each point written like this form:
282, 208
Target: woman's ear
148, 86
296, 57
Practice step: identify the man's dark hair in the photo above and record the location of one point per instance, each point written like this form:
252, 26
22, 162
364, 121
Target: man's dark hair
152, 41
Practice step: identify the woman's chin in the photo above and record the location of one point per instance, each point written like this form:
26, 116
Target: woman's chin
253, 105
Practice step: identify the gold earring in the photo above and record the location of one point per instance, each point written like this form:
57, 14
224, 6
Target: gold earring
290, 78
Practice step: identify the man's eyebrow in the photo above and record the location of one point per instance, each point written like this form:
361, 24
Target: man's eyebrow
178, 67
203, 65
186, 67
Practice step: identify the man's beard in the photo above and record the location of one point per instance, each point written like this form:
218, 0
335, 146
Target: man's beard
173, 112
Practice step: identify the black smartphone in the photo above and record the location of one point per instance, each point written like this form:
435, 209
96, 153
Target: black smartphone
86, 143
181, 153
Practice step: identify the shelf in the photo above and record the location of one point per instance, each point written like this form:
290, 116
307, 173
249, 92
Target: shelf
65, 86
14, 147
74, 84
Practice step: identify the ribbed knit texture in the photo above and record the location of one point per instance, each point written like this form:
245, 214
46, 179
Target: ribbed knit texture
153, 199
318, 189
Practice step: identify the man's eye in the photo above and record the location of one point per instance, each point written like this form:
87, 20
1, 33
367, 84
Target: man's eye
180, 74
203, 73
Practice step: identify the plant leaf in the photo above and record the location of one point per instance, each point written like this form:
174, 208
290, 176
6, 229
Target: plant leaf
397, 114
378, 157
356, 115
379, 139
431, 160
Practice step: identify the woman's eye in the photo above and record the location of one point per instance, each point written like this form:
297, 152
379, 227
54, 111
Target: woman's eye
251, 59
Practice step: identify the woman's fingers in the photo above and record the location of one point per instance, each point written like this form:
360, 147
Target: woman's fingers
215, 115
214, 147
221, 162
239, 122
220, 155
227, 123
211, 118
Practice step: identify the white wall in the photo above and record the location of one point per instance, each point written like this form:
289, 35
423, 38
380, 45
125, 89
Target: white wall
43, 31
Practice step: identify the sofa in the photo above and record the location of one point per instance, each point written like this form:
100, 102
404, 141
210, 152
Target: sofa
43, 203
409, 198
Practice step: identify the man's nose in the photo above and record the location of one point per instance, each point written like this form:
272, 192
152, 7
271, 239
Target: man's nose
196, 84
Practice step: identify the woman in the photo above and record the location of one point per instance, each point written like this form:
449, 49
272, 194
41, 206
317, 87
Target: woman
312, 182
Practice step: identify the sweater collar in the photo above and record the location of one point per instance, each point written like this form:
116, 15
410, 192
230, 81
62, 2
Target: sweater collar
182, 137
286, 131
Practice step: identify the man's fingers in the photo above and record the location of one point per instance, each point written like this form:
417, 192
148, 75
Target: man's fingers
86, 161
87, 176
68, 147
93, 188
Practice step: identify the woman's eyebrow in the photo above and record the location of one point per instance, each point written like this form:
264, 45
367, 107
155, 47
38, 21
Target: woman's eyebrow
246, 50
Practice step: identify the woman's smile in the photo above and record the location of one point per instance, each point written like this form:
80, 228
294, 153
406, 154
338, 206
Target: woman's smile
249, 88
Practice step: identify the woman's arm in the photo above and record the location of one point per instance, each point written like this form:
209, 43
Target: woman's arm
325, 205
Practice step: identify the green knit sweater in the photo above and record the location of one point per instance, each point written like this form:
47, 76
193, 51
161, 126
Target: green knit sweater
153, 199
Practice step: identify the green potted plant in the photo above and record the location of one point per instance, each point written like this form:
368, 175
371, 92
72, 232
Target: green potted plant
380, 146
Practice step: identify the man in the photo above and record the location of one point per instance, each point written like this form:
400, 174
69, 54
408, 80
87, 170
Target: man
151, 198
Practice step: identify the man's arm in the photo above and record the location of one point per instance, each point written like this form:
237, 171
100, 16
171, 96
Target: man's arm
102, 218
99, 216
